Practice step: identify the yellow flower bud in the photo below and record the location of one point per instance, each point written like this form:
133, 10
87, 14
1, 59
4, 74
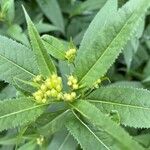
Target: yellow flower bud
69, 83
44, 100
67, 97
96, 86
40, 140
58, 88
54, 82
48, 93
98, 81
73, 51
75, 86
38, 78
74, 81
54, 93
43, 87
49, 84
73, 94
38, 98
70, 78
54, 76
59, 96
59, 80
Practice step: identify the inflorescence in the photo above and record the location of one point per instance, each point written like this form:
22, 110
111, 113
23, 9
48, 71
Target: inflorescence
53, 87
70, 54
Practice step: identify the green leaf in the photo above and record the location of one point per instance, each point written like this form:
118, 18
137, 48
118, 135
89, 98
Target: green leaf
55, 124
105, 38
88, 5
83, 134
45, 27
28, 146
132, 104
44, 61
63, 141
15, 32
8, 10
95, 116
16, 60
55, 47
52, 11
8, 92
20, 111
26, 86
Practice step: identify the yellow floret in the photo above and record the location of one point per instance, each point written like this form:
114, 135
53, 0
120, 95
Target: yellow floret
44, 100
69, 83
58, 88
75, 86
73, 94
54, 93
38, 78
70, 78
67, 97
48, 93
43, 87
59, 96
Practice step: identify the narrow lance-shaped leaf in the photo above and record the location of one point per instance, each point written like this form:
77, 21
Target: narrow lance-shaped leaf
100, 120
132, 104
53, 12
16, 60
97, 52
16, 112
83, 134
56, 123
63, 141
44, 61
55, 47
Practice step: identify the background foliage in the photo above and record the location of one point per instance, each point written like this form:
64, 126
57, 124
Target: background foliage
129, 75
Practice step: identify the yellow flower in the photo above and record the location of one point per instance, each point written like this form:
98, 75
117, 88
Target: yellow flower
70, 54
72, 82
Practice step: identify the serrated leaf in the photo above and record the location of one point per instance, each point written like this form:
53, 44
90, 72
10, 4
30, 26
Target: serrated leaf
55, 47
20, 111
63, 141
27, 86
83, 134
44, 61
100, 120
132, 104
52, 11
16, 60
55, 124
101, 45
15, 32
88, 5
8, 92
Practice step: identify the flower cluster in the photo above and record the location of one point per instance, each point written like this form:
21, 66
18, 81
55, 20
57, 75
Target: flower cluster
69, 96
40, 140
96, 84
73, 82
51, 87
38, 79
70, 54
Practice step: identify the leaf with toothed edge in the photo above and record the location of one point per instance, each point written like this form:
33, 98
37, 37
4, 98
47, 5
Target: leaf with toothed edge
55, 47
98, 52
55, 124
80, 130
132, 104
44, 61
103, 122
16, 60
20, 111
